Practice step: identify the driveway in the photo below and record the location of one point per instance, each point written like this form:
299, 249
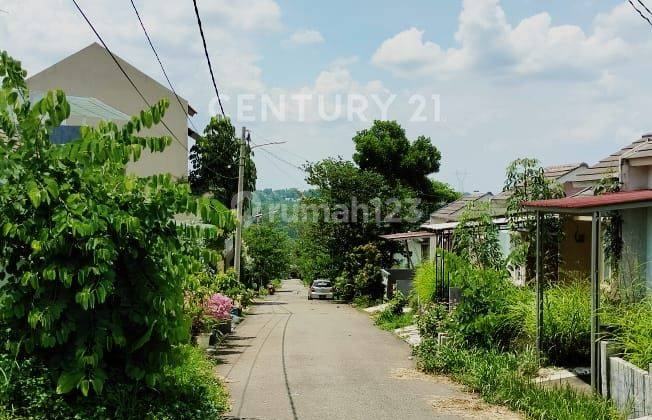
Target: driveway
298, 359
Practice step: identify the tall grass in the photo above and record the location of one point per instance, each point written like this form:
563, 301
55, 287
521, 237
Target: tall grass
633, 330
425, 282
502, 378
566, 322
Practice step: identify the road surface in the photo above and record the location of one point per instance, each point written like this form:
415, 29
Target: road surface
298, 359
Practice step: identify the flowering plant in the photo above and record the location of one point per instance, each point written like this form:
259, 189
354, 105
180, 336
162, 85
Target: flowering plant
219, 307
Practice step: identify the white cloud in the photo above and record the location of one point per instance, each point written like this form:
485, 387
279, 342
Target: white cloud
42, 32
487, 43
305, 37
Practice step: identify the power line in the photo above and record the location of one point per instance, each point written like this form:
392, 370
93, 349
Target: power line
117, 63
278, 167
281, 159
646, 8
639, 12
208, 60
149, 40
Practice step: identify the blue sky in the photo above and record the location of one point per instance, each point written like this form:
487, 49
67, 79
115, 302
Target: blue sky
562, 81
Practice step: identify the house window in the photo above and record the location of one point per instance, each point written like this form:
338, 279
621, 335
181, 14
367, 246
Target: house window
64, 134
425, 250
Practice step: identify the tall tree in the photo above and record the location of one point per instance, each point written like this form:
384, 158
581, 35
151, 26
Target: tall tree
385, 149
351, 207
268, 248
215, 160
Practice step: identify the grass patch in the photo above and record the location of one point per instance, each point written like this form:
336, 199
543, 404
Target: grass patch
389, 321
504, 378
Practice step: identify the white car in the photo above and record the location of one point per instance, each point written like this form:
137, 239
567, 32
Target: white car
321, 289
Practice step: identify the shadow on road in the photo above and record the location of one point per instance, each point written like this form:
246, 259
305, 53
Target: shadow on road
268, 303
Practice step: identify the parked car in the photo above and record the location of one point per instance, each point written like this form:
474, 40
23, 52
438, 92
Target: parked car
321, 289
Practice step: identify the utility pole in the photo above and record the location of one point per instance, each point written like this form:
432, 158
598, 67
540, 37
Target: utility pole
240, 204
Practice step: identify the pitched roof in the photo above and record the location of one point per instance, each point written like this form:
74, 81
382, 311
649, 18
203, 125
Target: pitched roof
452, 211
555, 172
643, 150
580, 204
609, 166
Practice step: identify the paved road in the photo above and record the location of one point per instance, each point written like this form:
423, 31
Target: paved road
299, 359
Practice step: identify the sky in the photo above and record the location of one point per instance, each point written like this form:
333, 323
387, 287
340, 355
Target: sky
487, 80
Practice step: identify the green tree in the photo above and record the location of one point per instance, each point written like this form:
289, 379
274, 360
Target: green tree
361, 275
215, 161
91, 260
269, 253
526, 182
385, 149
476, 237
350, 207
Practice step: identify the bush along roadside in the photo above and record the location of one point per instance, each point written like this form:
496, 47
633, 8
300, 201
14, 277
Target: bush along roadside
505, 379
393, 317
188, 390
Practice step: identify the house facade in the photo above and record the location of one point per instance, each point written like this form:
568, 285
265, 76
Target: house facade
631, 168
97, 90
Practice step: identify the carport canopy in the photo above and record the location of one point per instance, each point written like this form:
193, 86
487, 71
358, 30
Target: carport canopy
593, 205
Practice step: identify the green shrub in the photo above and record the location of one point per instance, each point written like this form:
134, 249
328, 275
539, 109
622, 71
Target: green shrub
397, 303
390, 321
480, 318
433, 320
425, 282
633, 331
502, 378
365, 302
361, 276
93, 262
269, 249
393, 317
188, 390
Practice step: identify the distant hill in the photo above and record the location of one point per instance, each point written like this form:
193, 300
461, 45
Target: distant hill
277, 205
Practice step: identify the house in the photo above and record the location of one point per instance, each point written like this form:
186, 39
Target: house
631, 168
97, 90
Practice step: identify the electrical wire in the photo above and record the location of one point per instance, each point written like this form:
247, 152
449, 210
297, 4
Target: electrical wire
149, 40
208, 60
117, 63
281, 159
283, 171
646, 8
639, 12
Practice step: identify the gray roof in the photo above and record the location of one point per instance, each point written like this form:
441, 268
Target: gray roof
452, 211
556, 172
87, 107
609, 166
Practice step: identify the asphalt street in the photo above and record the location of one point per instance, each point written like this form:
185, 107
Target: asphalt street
298, 359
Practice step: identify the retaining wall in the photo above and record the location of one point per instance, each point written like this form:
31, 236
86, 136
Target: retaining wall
627, 385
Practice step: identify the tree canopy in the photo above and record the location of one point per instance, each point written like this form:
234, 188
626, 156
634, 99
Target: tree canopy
385, 149
269, 253
215, 161
92, 263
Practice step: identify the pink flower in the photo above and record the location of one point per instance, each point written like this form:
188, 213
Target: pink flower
219, 307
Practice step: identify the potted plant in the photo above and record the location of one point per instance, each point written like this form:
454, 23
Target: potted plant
202, 326
218, 307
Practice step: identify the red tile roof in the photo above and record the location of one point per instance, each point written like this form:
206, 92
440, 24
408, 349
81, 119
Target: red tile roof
592, 202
